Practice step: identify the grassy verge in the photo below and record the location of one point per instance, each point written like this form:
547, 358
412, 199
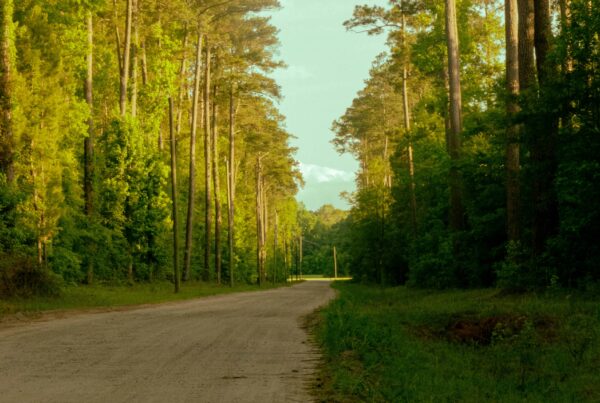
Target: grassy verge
102, 296
402, 345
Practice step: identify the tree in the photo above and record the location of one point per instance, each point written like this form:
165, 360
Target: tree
457, 219
173, 146
126, 59
513, 193
207, 164
7, 71
192, 169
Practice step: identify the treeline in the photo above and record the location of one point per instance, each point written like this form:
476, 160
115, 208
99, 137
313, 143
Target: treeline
324, 242
479, 145
90, 149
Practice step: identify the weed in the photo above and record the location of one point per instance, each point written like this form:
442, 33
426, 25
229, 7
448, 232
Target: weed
404, 345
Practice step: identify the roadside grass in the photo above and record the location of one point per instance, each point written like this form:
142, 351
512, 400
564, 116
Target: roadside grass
116, 296
404, 345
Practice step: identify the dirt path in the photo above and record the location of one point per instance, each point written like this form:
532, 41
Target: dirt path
246, 347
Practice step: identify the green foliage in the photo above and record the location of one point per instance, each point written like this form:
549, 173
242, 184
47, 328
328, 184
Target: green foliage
122, 231
22, 276
403, 235
322, 230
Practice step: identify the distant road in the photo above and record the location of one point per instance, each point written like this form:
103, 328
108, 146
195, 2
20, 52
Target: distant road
246, 347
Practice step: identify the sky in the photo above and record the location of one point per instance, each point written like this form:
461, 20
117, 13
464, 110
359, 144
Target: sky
327, 66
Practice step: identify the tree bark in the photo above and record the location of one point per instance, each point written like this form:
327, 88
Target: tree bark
545, 137
230, 224
88, 143
88, 149
135, 58
182, 87
173, 144
513, 189
117, 37
275, 246
265, 229
300, 256
335, 266
126, 58
192, 171
231, 186
216, 184
259, 229
526, 35
207, 166
406, 109
144, 64
457, 219
7, 67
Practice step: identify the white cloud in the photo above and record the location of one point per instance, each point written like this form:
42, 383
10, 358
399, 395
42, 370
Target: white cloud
321, 174
294, 72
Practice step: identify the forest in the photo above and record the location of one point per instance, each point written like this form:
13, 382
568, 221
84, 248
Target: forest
473, 233
145, 158
478, 137
133, 129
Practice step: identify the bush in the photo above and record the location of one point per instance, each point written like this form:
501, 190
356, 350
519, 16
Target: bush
21, 276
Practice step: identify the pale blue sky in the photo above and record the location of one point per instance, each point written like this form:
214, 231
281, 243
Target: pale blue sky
326, 67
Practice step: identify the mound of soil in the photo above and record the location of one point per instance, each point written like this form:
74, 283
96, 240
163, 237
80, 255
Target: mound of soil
465, 329
481, 331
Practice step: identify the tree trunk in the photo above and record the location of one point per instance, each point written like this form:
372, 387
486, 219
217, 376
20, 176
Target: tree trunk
457, 219
265, 229
7, 67
275, 234
259, 230
231, 186
88, 143
300, 256
526, 34
545, 137
135, 58
182, 86
230, 224
335, 266
286, 271
207, 166
513, 189
117, 37
126, 57
173, 144
216, 184
192, 181
144, 64
406, 109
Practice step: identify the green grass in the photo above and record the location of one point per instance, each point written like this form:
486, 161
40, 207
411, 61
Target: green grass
102, 296
402, 345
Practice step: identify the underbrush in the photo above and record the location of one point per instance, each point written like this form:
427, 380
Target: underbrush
405, 345
22, 276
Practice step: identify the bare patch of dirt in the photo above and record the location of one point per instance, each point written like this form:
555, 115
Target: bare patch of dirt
467, 329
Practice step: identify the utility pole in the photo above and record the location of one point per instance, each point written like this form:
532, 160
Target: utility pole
300, 257
335, 271
173, 146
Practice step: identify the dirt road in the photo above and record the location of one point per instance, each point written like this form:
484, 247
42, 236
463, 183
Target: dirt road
246, 347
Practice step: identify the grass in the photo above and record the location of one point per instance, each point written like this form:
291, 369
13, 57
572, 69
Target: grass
103, 296
404, 345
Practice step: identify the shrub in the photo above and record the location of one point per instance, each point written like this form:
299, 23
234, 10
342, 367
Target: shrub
21, 276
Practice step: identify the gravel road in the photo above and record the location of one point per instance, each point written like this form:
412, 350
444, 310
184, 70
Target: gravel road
246, 347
